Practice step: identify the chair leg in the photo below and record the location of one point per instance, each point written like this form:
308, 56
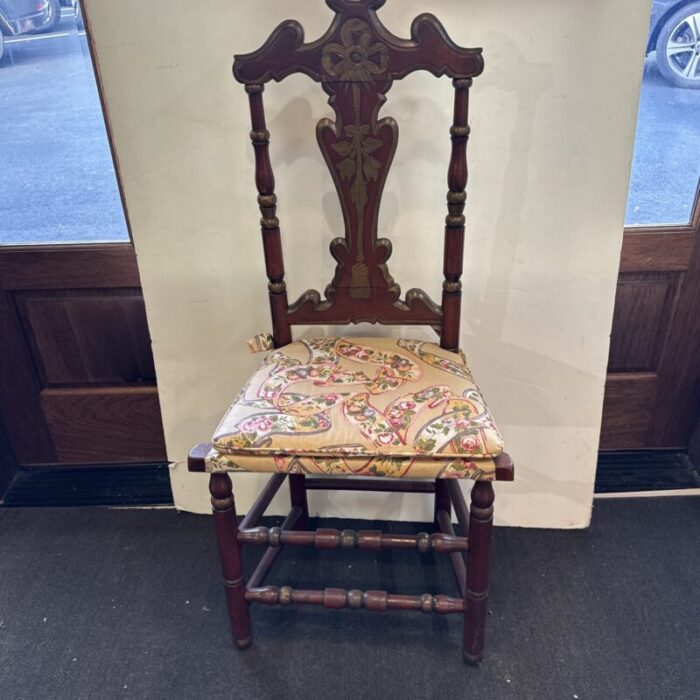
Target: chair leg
442, 500
297, 492
478, 567
226, 526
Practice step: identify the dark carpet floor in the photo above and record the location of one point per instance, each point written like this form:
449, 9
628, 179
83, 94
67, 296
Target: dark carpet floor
98, 603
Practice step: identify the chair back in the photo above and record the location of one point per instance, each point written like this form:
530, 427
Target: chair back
356, 62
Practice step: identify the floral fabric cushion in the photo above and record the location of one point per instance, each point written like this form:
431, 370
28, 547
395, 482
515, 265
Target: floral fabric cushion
364, 406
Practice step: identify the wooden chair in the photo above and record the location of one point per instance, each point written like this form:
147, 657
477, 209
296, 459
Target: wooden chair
325, 411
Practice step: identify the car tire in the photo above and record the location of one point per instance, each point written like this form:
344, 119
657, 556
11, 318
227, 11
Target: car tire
679, 61
55, 18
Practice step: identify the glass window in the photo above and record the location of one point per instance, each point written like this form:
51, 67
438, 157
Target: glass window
57, 180
666, 166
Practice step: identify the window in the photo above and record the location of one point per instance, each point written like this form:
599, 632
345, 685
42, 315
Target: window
666, 166
57, 180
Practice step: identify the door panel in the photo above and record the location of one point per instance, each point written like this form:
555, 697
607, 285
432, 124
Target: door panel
88, 336
104, 424
643, 307
653, 386
627, 410
78, 375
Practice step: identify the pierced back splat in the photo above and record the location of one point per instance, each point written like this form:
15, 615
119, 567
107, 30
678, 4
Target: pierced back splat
356, 62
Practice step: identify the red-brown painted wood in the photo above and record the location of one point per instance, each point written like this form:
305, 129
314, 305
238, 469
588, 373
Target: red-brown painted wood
226, 526
269, 223
460, 505
454, 224
442, 500
268, 558
478, 569
356, 62
297, 493
263, 501
337, 598
349, 483
372, 540
196, 459
459, 566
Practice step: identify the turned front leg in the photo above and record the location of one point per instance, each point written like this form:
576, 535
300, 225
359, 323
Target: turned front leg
226, 526
478, 568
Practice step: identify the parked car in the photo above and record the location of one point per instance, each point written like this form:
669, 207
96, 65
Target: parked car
24, 17
675, 36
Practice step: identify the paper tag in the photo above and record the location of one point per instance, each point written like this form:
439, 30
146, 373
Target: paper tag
262, 342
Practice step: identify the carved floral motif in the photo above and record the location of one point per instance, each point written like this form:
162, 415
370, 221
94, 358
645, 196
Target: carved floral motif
358, 163
355, 60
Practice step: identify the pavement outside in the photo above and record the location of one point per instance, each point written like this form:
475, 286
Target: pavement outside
57, 182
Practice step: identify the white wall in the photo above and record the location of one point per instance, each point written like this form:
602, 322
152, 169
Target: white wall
553, 119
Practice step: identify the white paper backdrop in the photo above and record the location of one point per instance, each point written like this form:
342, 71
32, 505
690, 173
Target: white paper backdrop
552, 120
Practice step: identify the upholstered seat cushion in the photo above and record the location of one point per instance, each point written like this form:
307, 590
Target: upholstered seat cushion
364, 406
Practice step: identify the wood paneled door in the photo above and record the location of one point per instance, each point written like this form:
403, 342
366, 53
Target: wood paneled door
653, 389
78, 385
76, 366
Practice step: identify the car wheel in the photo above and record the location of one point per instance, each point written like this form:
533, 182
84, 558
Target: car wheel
678, 47
54, 17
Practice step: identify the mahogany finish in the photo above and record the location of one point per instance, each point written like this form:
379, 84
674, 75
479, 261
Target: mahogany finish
460, 506
372, 540
263, 501
356, 62
444, 522
226, 526
268, 558
478, 569
336, 598
297, 492
442, 500
335, 483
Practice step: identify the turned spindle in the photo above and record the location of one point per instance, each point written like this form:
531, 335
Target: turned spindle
336, 598
454, 223
269, 223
